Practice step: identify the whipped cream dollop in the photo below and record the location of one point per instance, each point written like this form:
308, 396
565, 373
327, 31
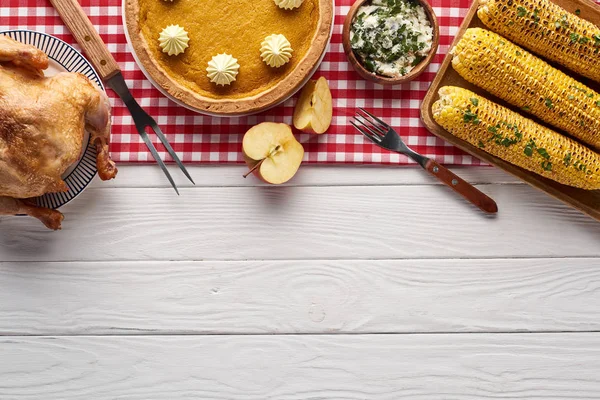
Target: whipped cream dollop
223, 69
276, 50
173, 40
288, 4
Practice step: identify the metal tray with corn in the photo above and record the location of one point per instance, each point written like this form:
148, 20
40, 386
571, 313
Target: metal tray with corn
519, 89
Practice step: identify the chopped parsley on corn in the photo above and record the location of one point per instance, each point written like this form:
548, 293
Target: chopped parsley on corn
525, 81
516, 139
546, 29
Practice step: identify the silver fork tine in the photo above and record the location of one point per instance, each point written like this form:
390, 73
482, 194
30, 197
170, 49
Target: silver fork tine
380, 129
375, 118
371, 127
365, 121
370, 136
167, 145
160, 162
372, 131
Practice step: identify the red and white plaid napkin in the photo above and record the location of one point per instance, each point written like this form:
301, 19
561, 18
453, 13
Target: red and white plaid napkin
203, 139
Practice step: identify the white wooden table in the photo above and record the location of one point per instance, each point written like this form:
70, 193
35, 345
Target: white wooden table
236, 290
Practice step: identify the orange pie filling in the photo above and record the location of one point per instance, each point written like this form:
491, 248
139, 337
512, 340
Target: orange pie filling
233, 27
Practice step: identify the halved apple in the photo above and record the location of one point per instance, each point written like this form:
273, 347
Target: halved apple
272, 152
314, 111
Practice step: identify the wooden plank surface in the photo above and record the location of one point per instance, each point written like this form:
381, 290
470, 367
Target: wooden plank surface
383, 222
150, 175
283, 297
150, 296
391, 367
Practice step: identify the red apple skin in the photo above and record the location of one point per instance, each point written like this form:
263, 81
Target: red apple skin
251, 164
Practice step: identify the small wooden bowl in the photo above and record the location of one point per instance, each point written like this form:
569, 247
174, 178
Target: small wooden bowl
384, 80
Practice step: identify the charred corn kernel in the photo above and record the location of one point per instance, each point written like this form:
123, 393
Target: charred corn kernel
548, 30
516, 139
520, 78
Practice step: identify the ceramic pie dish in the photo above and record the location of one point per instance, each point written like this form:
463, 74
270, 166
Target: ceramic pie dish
235, 27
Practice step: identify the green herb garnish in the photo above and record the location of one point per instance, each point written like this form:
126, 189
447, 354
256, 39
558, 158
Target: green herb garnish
502, 140
370, 65
535, 16
385, 41
574, 37
563, 21
542, 152
470, 116
529, 148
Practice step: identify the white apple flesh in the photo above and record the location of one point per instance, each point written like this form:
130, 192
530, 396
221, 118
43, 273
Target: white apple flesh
314, 110
272, 152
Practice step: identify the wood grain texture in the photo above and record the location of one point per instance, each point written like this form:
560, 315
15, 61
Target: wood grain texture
132, 175
301, 223
88, 38
462, 187
303, 261
390, 367
283, 297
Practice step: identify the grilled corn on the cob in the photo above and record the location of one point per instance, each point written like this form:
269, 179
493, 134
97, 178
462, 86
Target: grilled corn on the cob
548, 30
520, 78
516, 139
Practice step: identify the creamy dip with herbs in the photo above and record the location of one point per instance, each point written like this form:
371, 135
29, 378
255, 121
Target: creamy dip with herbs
391, 37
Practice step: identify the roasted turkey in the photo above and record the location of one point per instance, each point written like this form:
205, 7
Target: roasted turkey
42, 128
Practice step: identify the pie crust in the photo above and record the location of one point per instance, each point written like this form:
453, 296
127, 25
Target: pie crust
219, 103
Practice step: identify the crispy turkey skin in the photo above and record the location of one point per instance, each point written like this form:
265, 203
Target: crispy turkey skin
42, 127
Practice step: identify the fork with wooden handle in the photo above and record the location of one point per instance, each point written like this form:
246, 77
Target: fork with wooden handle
80, 26
384, 136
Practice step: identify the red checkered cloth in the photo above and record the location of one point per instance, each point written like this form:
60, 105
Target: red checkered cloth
203, 139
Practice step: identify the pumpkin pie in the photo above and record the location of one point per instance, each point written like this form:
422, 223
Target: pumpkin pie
233, 27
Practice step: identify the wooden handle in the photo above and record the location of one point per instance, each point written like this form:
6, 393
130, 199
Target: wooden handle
462, 187
86, 35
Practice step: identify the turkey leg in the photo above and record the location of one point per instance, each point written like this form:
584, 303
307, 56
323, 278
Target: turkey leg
23, 55
51, 218
97, 120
